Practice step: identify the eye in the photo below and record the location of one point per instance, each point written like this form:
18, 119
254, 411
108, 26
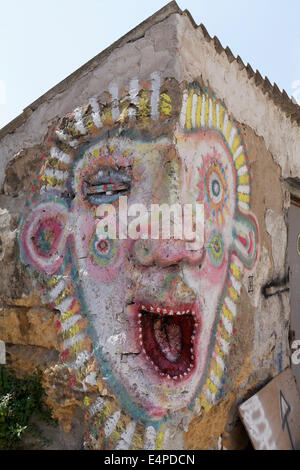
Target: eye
215, 186
102, 251
106, 186
216, 249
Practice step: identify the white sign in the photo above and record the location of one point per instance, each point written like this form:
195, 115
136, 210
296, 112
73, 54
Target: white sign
2, 353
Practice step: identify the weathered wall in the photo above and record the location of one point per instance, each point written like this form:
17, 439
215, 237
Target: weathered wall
154, 111
248, 102
149, 48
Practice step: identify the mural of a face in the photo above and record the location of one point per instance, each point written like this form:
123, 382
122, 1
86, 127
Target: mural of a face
160, 314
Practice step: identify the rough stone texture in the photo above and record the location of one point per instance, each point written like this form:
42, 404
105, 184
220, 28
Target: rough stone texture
16, 283
61, 397
20, 171
271, 351
172, 46
246, 101
71, 440
276, 228
29, 326
24, 359
236, 439
204, 432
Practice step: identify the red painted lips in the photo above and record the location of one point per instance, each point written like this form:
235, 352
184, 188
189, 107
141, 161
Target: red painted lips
167, 337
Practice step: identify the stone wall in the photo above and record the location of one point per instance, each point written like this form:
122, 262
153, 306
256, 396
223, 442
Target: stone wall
146, 343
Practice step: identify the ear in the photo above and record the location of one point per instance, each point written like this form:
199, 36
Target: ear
43, 237
245, 239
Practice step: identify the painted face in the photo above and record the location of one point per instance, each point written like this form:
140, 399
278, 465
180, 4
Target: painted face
153, 303
160, 311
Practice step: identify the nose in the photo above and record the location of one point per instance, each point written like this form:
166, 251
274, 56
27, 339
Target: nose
166, 253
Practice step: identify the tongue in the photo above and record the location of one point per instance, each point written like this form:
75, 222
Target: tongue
169, 338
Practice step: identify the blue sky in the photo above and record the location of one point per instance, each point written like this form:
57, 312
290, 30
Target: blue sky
42, 42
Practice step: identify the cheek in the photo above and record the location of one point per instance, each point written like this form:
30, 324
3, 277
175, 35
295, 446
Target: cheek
100, 259
214, 275
215, 264
216, 259
106, 258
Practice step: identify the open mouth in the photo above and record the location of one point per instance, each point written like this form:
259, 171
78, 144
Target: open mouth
167, 338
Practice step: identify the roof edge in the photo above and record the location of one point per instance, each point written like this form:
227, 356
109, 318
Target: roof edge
132, 35
280, 98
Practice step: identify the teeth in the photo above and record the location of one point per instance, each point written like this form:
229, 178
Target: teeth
165, 311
